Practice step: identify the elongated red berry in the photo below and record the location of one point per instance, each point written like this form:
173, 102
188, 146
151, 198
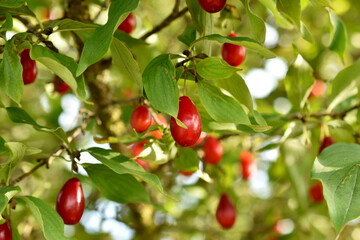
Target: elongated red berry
226, 212
316, 193
70, 202
141, 119
5, 231
233, 54
212, 6
201, 138
189, 115
128, 24
248, 165
60, 86
327, 141
29, 67
318, 89
213, 150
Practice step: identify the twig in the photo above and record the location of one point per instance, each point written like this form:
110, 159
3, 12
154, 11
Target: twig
173, 16
340, 114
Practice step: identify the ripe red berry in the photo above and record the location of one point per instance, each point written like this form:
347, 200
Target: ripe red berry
212, 6
248, 165
226, 212
233, 54
189, 115
316, 193
141, 119
201, 138
327, 141
128, 24
318, 89
136, 149
157, 133
29, 67
60, 86
5, 231
185, 173
213, 150
70, 202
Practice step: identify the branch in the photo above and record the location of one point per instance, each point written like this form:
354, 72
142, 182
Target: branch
340, 114
166, 22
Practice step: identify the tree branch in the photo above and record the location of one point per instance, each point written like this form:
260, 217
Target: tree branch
166, 22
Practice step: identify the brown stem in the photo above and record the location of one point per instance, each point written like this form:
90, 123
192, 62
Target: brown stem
166, 22
340, 114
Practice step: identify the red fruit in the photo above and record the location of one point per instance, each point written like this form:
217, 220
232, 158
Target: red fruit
318, 89
60, 86
189, 115
141, 119
233, 54
185, 173
5, 231
213, 150
327, 141
157, 133
29, 67
70, 202
136, 149
226, 212
212, 6
316, 193
249, 167
201, 138
128, 24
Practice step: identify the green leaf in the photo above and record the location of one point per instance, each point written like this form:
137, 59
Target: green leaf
243, 41
11, 81
68, 24
160, 85
62, 65
344, 84
3, 149
305, 33
271, 5
188, 36
130, 41
8, 24
258, 28
200, 17
221, 107
97, 46
298, 82
48, 219
15, 7
124, 165
121, 188
291, 9
7, 193
187, 159
214, 68
12, 3
297, 159
19, 115
124, 59
323, 3
338, 42
338, 169
238, 89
